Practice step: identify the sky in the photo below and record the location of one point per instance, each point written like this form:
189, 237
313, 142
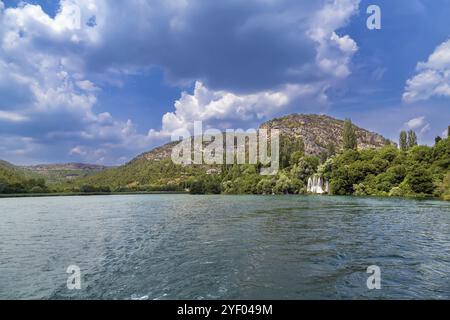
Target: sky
102, 81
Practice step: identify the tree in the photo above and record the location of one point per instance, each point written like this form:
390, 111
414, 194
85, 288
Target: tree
349, 136
289, 146
420, 180
265, 186
437, 140
330, 150
197, 187
305, 168
412, 139
286, 185
403, 141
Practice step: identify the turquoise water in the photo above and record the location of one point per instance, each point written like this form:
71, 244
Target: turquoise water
229, 247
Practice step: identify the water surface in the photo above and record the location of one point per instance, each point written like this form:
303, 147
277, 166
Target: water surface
223, 247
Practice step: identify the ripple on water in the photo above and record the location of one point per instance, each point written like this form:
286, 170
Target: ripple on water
231, 247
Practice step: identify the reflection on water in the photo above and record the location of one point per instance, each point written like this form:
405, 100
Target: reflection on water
230, 247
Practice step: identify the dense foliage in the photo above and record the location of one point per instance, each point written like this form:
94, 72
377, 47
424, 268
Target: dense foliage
416, 172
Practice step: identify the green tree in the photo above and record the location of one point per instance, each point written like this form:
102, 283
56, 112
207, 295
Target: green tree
437, 140
197, 187
285, 185
412, 139
403, 141
420, 180
349, 136
444, 188
305, 168
265, 186
290, 150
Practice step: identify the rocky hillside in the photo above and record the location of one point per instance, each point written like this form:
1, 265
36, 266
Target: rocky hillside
156, 168
318, 131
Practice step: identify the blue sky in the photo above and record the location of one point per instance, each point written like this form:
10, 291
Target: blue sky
102, 81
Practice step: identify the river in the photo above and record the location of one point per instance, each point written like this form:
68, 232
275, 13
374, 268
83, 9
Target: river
223, 247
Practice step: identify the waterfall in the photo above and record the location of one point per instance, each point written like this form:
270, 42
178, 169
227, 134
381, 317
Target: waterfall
317, 184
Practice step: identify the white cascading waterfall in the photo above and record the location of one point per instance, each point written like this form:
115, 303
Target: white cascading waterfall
318, 185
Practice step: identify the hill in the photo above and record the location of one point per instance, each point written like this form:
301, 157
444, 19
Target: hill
155, 168
319, 132
58, 173
15, 180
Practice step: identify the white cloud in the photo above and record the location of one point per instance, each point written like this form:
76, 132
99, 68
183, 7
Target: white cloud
37, 60
334, 52
60, 65
432, 78
12, 116
419, 124
425, 129
78, 150
220, 108
415, 123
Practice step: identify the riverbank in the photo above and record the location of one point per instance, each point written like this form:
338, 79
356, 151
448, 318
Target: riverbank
77, 194
84, 194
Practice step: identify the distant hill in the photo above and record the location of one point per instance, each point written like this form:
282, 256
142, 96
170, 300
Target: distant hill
56, 173
14, 180
156, 168
9, 172
18, 171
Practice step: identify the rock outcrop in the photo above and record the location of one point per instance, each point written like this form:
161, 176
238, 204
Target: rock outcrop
320, 131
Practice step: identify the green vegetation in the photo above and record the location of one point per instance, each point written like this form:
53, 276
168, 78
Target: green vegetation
13, 181
420, 171
60, 173
403, 142
416, 171
349, 136
412, 139
409, 171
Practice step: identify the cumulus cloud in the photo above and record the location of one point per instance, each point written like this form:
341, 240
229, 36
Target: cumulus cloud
308, 80
432, 78
249, 60
415, 123
46, 96
220, 108
418, 124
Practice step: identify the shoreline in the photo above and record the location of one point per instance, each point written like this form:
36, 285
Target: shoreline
80, 194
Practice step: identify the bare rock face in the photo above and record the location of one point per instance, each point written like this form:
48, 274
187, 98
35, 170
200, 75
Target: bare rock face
318, 131
159, 153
